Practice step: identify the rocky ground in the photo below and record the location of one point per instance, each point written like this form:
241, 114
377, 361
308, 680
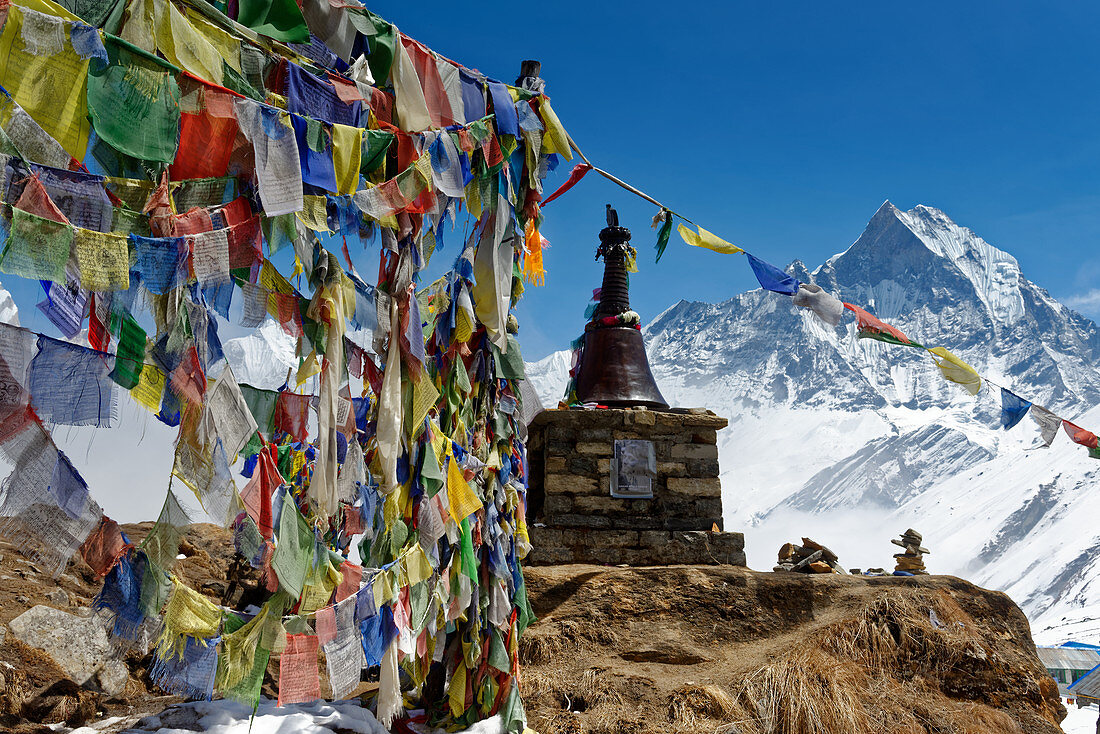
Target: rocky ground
625, 650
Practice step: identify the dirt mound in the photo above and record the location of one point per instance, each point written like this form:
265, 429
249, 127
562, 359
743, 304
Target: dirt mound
673, 649
720, 649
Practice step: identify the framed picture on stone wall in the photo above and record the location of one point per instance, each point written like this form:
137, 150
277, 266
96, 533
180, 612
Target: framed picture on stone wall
633, 467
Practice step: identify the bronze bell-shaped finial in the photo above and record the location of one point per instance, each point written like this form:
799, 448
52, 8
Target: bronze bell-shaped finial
614, 370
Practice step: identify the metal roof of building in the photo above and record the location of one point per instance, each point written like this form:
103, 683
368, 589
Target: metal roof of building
1089, 685
1068, 658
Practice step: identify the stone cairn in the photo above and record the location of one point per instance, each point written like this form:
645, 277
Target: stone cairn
810, 557
912, 560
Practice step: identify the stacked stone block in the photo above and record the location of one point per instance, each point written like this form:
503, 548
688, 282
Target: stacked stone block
573, 517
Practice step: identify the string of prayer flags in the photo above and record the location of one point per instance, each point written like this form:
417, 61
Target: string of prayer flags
703, 238
1013, 409
957, 371
772, 278
199, 158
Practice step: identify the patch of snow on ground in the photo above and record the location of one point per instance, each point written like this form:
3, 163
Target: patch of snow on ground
319, 717
1079, 721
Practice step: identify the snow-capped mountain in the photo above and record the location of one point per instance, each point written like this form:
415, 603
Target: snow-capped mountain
850, 441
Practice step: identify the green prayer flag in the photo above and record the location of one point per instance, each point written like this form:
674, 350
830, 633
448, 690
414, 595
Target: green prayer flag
130, 357
235, 81
430, 474
469, 563
278, 19
381, 36
134, 103
261, 404
92, 12
882, 337
156, 587
37, 248
664, 234
293, 557
375, 145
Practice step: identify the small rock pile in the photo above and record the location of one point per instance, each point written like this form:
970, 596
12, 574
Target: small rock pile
912, 560
810, 557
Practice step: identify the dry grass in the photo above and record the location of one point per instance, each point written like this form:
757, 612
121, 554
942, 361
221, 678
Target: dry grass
688, 704
897, 629
539, 646
805, 694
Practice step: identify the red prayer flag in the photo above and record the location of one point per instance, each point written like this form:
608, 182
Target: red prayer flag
1079, 435
292, 414
104, 547
439, 106
353, 575
575, 176
299, 681
326, 624
867, 322
246, 244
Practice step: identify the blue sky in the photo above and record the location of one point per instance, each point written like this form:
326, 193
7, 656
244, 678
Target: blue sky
783, 127
784, 130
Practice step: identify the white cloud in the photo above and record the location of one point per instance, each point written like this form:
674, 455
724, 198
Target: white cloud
1088, 301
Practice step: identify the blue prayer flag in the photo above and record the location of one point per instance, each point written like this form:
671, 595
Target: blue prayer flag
772, 278
1013, 409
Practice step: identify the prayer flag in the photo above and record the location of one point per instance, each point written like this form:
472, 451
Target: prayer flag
824, 305
772, 278
1013, 409
703, 238
872, 328
956, 370
1079, 435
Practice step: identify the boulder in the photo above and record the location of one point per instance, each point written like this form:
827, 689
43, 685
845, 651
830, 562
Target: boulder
59, 597
79, 646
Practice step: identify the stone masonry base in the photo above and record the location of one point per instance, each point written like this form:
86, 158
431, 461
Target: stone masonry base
554, 546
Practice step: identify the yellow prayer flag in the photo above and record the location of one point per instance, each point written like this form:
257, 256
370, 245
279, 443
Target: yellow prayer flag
417, 566
556, 139
424, 397
956, 370
228, 47
308, 368
188, 614
462, 499
102, 260
184, 46
347, 152
51, 86
708, 240
314, 214
150, 388
457, 694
